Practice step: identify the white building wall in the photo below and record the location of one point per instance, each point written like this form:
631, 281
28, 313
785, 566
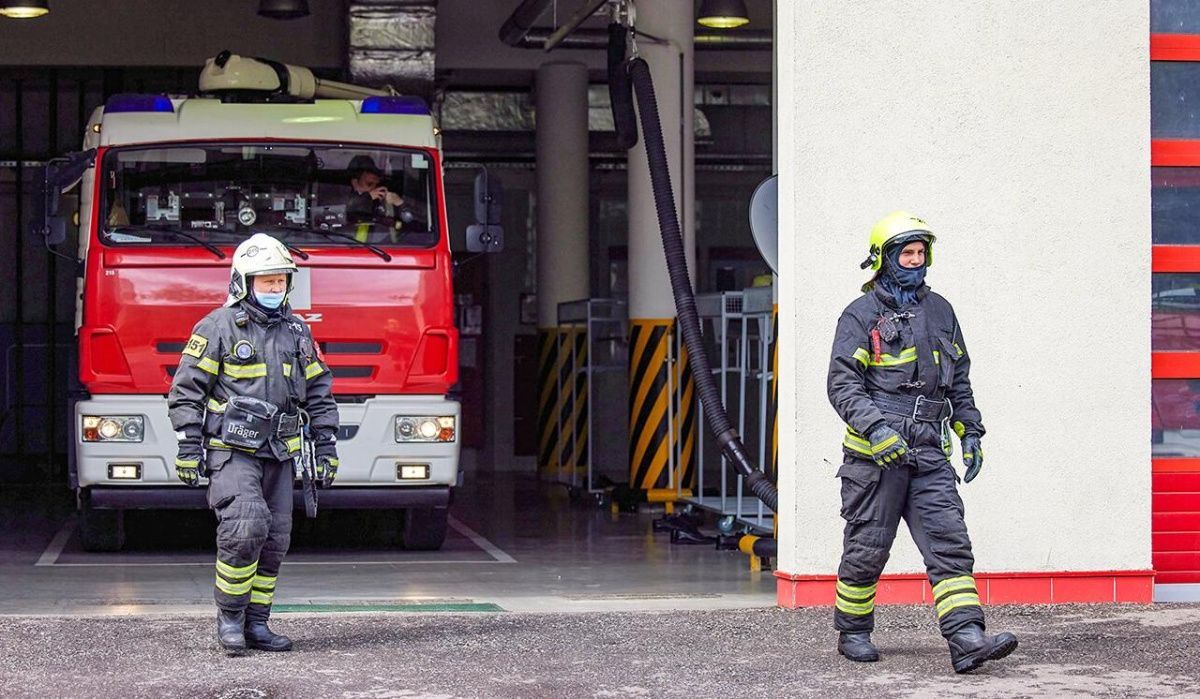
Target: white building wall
1020, 130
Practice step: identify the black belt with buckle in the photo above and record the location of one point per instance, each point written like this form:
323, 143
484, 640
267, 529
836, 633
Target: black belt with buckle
918, 408
287, 425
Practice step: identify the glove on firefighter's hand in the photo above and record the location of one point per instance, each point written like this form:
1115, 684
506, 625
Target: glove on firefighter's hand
327, 463
189, 461
888, 448
327, 467
972, 454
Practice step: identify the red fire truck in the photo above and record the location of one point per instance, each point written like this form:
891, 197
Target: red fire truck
168, 186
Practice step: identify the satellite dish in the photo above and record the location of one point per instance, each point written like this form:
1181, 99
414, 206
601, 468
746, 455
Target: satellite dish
764, 220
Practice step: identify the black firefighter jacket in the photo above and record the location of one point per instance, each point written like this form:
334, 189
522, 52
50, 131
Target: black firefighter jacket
927, 357
281, 366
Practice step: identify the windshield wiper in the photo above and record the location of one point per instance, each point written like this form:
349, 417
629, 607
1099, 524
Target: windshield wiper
157, 228
349, 238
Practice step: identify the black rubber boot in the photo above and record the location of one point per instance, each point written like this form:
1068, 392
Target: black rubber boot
858, 647
970, 647
259, 637
230, 632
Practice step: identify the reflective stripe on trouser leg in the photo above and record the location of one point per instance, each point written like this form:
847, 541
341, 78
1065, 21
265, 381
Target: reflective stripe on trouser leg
233, 583
243, 522
855, 600
277, 491
958, 594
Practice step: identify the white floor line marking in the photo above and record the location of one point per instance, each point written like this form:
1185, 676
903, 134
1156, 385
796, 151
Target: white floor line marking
57, 544
493, 550
287, 562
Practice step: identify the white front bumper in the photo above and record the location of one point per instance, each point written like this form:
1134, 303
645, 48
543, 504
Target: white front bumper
368, 457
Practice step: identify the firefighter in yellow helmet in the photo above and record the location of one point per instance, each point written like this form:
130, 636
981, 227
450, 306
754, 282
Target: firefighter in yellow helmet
899, 376
247, 372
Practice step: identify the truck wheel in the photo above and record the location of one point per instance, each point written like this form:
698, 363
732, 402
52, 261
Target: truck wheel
424, 528
101, 530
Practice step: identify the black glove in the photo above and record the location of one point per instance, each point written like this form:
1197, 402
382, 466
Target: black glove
189, 462
888, 448
327, 463
972, 456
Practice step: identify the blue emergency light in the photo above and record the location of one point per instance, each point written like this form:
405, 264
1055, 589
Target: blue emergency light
131, 102
395, 105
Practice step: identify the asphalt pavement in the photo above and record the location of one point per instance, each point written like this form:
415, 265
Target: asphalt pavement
1076, 650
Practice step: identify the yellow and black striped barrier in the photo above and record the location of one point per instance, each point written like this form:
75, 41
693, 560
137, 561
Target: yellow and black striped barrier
574, 427
548, 364
662, 409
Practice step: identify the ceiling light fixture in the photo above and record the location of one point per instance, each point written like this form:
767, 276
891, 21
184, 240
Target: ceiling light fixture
283, 9
723, 14
24, 9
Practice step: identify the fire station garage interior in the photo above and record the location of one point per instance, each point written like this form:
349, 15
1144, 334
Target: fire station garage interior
520, 416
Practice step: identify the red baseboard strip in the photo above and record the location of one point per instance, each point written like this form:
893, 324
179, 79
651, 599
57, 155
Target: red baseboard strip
1097, 587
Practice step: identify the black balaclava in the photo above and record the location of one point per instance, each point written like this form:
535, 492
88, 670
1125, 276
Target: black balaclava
899, 281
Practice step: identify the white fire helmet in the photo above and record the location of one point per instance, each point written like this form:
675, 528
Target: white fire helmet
258, 254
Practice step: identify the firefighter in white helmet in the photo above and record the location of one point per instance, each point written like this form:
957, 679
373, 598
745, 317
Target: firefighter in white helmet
248, 370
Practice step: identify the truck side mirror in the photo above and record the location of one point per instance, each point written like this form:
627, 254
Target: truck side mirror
58, 210
486, 235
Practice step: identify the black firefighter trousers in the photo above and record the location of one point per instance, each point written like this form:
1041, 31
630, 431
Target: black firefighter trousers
252, 498
924, 493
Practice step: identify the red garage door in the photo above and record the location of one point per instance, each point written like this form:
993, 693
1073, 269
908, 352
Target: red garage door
1175, 296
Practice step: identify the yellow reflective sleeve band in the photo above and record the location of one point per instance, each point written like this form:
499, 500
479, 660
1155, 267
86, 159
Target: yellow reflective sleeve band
957, 348
855, 593
257, 597
857, 444
314, 369
208, 364
235, 589
335, 463
287, 369
906, 356
245, 371
855, 608
293, 444
234, 572
937, 357
960, 429
182, 463
954, 583
876, 448
957, 601
215, 406
862, 356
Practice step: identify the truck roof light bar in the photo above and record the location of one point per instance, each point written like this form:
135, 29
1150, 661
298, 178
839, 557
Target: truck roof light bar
395, 105
131, 102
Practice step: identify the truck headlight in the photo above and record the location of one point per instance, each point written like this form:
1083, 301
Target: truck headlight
113, 428
424, 428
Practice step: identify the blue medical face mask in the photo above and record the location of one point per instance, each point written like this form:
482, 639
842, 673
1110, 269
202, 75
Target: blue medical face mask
270, 301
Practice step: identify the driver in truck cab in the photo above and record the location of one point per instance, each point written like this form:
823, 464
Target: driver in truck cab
249, 379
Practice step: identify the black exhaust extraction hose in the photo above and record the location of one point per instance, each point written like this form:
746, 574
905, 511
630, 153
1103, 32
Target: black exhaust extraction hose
620, 90
681, 286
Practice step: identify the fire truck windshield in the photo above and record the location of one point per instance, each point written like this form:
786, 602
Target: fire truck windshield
221, 194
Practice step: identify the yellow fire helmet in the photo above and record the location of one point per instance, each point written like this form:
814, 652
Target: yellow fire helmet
258, 254
893, 227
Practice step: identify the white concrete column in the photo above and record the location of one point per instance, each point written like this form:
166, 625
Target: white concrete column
562, 245
655, 432
562, 187
1019, 138
671, 66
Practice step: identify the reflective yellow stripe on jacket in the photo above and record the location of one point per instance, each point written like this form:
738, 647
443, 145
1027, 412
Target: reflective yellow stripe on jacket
245, 371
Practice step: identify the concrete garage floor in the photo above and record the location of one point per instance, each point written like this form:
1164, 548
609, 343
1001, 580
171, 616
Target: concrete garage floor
1065, 651
515, 545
